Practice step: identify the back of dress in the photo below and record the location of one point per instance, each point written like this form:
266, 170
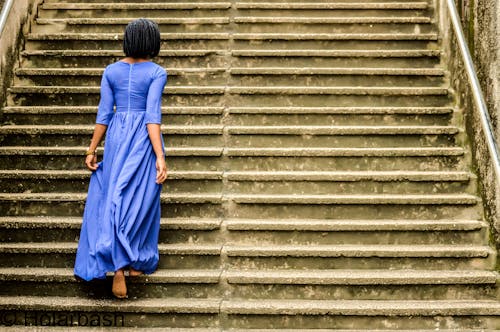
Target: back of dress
121, 219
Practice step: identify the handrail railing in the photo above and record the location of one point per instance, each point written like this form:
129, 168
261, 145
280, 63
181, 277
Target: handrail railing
5, 13
476, 88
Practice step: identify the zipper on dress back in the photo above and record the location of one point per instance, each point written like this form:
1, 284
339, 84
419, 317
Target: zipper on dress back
128, 92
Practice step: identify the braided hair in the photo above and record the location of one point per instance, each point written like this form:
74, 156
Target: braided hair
141, 39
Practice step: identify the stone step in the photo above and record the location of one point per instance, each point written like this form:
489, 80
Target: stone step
256, 159
206, 283
210, 116
393, 5
267, 231
62, 254
34, 229
173, 312
270, 182
306, 257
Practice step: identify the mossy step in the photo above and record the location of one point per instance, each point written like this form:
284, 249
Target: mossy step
275, 276
110, 53
183, 198
340, 225
343, 152
246, 71
361, 307
244, 130
158, 305
240, 36
323, 110
86, 129
242, 224
176, 276
332, 5
50, 89
119, 36
357, 91
126, 20
359, 277
333, 36
84, 174
54, 222
335, 71
78, 151
239, 19
99, 71
448, 199
201, 110
333, 53
70, 248
365, 250
332, 20
136, 5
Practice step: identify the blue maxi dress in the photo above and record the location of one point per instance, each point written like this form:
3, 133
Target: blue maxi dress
121, 220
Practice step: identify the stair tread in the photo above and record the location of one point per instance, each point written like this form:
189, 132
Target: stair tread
70, 247
99, 71
332, 5
72, 150
256, 306
75, 222
93, 109
137, 5
100, 53
119, 36
277, 276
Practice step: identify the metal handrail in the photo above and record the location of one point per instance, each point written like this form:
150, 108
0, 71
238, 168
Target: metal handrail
5, 13
476, 88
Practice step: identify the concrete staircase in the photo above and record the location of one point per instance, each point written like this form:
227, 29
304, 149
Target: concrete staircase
319, 174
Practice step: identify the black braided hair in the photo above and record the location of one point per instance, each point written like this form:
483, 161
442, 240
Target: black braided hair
141, 39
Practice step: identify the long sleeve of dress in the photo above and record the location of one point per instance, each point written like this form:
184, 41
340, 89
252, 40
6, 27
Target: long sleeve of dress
153, 102
105, 109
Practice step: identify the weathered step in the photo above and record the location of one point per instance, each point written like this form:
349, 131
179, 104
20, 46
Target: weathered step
53, 135
72, 204
163, 312
70, 115
65, 229
62, 254
78, 181
359, 256
332, 5
78, 58
361, 284
351, 314
200, 158
137, 5
177, 283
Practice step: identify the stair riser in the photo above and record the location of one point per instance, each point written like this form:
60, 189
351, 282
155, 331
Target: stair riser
81, 185
217, 44
358, 263
132, 13
253, 80
171, 119
84, 99
76, 162
106, 319
338, 163
363, 292
172, 185
243, 27
342, 321
264, 291
216, 61
67, 260
325, 141
42, 234
102, 289
101, 61
77, 139
268, 237
359, 211
75, 208
179, 140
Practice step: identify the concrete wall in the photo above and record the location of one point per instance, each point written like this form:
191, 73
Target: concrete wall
480, 19
11, 40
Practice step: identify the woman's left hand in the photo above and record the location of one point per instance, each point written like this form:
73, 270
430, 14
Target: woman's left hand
91, 162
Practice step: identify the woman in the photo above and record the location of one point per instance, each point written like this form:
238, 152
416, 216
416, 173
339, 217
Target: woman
121, 220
